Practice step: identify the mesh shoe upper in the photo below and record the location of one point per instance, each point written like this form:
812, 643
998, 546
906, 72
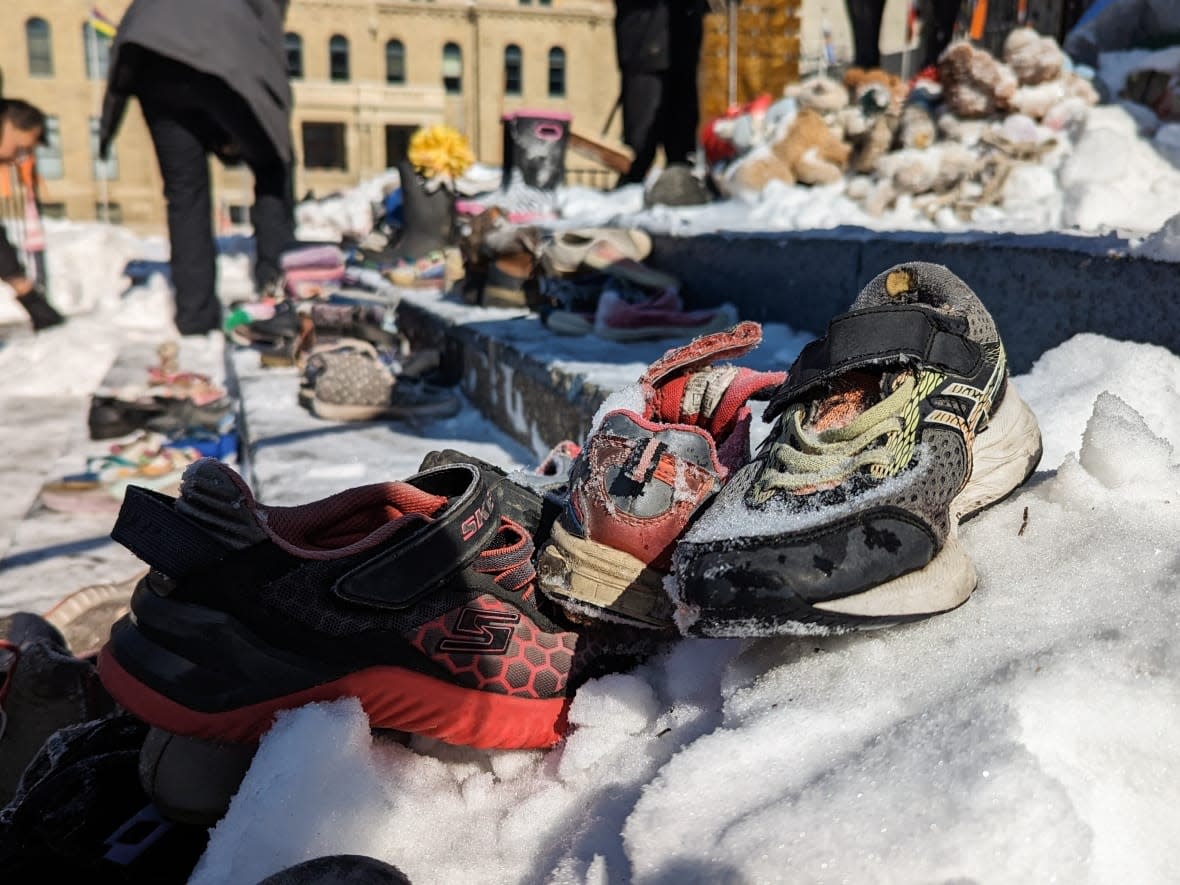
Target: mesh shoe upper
265, 602
873, 440
662, 452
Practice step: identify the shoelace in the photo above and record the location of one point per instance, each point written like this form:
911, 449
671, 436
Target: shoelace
804, 459
510, 565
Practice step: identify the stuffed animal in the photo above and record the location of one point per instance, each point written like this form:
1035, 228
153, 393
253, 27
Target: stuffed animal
1033, 58
871, 121
805, 151
974, 83
820, 93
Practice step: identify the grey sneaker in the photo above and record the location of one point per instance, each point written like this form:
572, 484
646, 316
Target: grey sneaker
890, 430
354, 386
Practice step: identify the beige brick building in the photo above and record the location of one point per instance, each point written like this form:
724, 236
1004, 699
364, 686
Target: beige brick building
365, 74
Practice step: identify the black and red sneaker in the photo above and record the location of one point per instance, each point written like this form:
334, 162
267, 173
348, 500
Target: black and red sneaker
417, 597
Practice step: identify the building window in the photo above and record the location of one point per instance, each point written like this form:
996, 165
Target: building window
39, 43
111, 213
556, 72
395, 62
324, 147
452, 69
397, 144
53, 210
338, 59
104, 170
239, 214
545, 2
49, 165
98, 52
525, 2
512, 70
294, 47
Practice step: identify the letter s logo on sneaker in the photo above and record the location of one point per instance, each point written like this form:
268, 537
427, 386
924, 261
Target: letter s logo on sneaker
475, 521
479, 631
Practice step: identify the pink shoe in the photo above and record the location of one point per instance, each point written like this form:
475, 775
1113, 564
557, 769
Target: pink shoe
662, 317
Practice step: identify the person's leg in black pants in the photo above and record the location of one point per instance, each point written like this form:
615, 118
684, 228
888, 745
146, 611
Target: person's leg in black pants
184, 166
273, 212
938, 27
866, 16
273, 218
681, 111
643, 101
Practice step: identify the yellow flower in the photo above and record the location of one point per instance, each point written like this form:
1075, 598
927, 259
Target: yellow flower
440, 150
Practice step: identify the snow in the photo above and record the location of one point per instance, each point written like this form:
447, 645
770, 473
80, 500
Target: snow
1031, 735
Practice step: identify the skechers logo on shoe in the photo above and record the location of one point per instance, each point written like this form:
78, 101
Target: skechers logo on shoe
476, 520
480, 632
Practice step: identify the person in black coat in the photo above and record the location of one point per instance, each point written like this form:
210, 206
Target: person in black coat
658, 46
211, 78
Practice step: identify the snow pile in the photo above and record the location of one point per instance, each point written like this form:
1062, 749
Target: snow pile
1027, 736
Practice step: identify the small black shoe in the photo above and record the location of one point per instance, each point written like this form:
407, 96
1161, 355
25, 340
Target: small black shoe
42, 314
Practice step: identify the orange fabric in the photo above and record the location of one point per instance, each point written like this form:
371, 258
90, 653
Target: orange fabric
978, 19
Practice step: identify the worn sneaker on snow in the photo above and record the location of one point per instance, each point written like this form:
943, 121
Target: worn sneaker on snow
890, 430
416, 597
661, 451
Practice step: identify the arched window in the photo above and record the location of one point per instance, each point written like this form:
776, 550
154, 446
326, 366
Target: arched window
97, 47
452, 69
395, 62
513, 73
40, 47
338, 59
556, 72
294, 47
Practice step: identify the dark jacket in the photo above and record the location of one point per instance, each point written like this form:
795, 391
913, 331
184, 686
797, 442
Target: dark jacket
239, 41
658, 35
10, 263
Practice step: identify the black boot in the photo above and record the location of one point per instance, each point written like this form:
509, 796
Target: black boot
428, 217
40, 311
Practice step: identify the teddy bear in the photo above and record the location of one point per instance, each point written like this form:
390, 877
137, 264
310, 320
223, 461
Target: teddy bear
1033, 58
805, 151
820, 93
974, 83
872, 119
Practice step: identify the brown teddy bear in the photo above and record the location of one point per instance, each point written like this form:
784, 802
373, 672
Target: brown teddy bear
974, 83
1033, 58
807, 151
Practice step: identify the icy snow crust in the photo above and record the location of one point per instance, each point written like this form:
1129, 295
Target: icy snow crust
1031, 735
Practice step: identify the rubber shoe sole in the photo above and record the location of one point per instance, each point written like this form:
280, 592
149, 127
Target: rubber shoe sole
145, 677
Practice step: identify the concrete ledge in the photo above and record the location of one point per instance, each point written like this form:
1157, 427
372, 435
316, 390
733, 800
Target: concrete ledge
1041, 289
538, 387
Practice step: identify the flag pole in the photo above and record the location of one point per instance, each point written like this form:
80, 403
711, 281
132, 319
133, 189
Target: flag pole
96, 98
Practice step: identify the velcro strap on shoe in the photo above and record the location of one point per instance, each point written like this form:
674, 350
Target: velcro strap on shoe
408, 571
880, 336
149, 526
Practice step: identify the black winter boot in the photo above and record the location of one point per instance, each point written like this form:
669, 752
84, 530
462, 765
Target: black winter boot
40, 311
429, 217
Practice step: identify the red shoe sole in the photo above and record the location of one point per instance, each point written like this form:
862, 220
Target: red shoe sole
393, 697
